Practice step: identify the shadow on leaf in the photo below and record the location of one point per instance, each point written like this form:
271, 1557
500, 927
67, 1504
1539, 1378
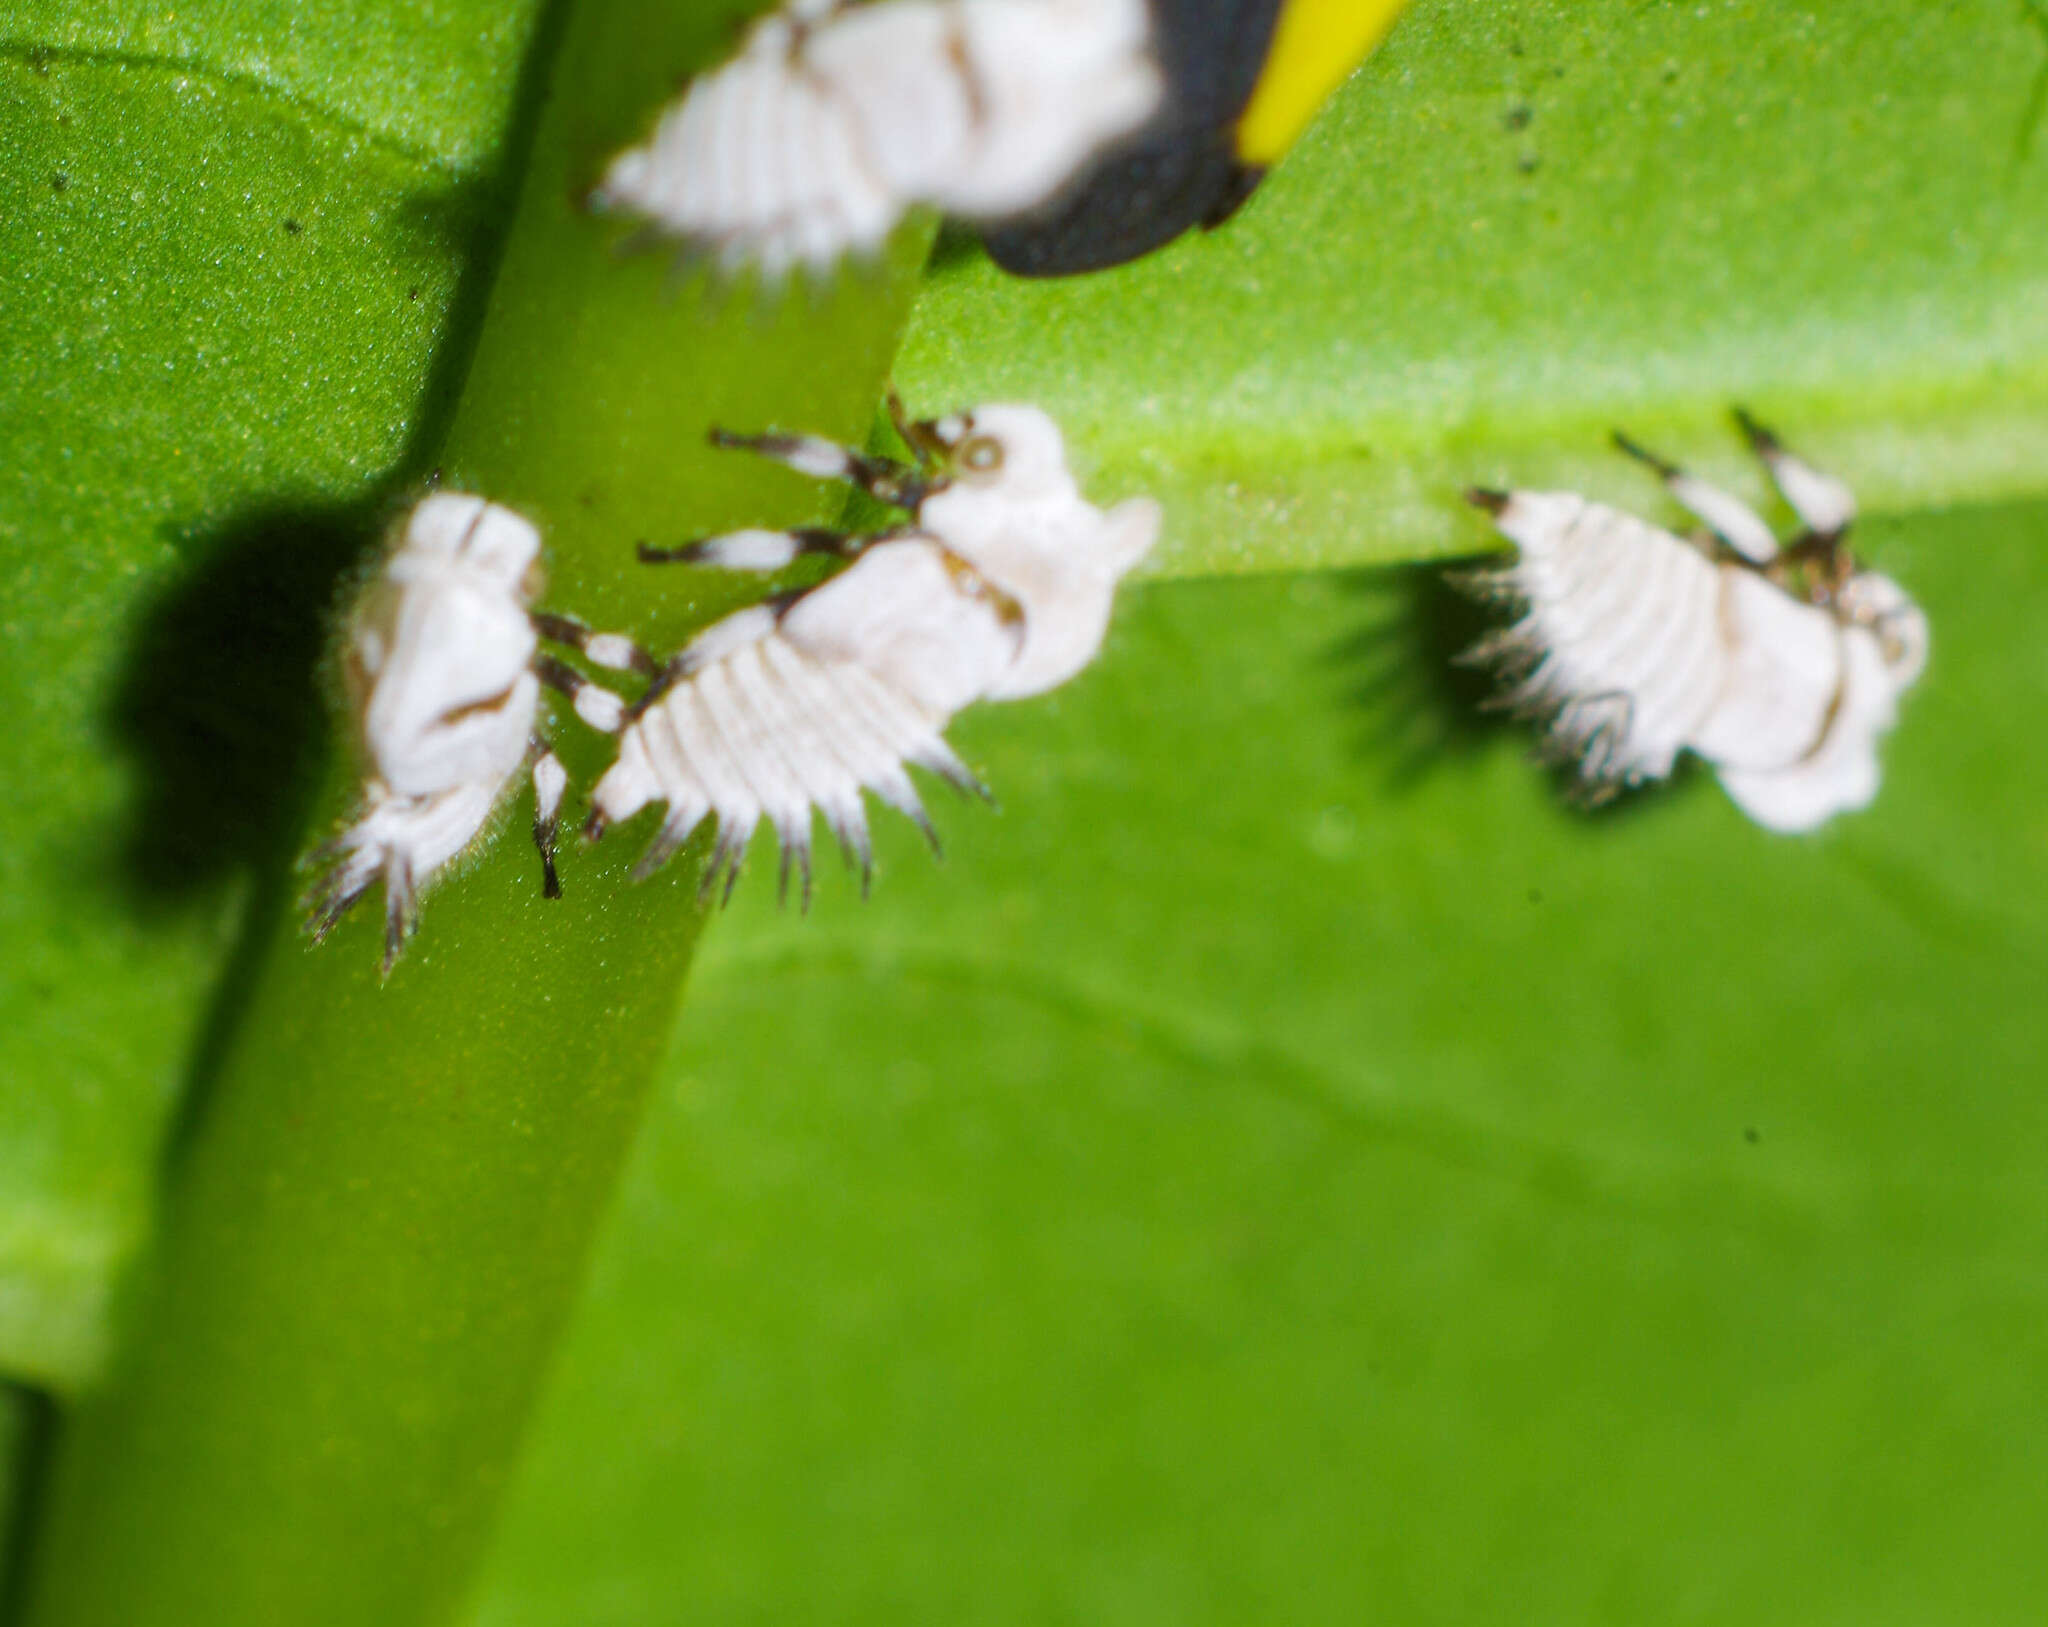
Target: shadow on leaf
221, 702
1420, 708
1416, 707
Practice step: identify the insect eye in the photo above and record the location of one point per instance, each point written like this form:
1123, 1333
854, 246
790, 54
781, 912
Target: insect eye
982, 455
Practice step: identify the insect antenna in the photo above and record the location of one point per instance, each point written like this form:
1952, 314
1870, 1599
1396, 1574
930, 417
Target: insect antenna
1663, 468
1761, 440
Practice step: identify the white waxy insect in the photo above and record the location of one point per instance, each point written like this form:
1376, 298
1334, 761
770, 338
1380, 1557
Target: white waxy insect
835, 119
444, 675
1780, 667
1000, 586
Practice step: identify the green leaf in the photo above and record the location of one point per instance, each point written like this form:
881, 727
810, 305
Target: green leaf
1289, 1166
382, 72
227, 305
384, 1189
1520, 225
1285, 1163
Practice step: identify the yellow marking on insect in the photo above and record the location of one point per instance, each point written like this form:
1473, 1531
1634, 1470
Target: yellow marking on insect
1315, 46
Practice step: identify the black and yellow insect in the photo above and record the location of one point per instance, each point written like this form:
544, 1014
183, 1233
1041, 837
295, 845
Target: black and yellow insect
1243, 79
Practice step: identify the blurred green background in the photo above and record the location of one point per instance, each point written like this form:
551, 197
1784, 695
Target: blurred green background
1285, 1164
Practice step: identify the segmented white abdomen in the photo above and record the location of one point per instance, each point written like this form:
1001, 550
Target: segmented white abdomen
1617, 646
1634, 644
820, 134
784, 711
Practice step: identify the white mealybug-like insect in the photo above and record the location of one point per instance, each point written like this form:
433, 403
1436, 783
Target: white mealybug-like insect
444, 676
835, 119
1000, 586
1781, 667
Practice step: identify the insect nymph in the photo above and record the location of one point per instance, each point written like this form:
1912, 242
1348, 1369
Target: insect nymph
1781, 667
999, 586
1243, 78
835, 119
444, 677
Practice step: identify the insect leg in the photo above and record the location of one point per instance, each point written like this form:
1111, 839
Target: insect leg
1727, 516
757, 550
883, 479
550, 780
921, 435
1824, 505
595, 704
613, 650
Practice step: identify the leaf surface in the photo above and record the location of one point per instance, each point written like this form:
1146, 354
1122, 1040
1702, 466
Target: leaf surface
1521, 225
229, 306
1289, 1166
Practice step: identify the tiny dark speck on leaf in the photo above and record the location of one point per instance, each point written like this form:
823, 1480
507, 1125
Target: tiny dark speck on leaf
1514, 47
293, 227
412, 293
1535, 895
59, 181
1749, 1134
1557, 72
1517, 117
1528, 163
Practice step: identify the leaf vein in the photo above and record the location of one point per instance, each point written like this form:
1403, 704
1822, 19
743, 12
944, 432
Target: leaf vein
312, 113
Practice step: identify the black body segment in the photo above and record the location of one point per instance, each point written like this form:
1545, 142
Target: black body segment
1179, 171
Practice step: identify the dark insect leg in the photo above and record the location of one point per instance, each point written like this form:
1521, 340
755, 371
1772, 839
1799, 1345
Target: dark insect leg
757, 550
889, 482
550, 781
594, 703
613, 650
673, 671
